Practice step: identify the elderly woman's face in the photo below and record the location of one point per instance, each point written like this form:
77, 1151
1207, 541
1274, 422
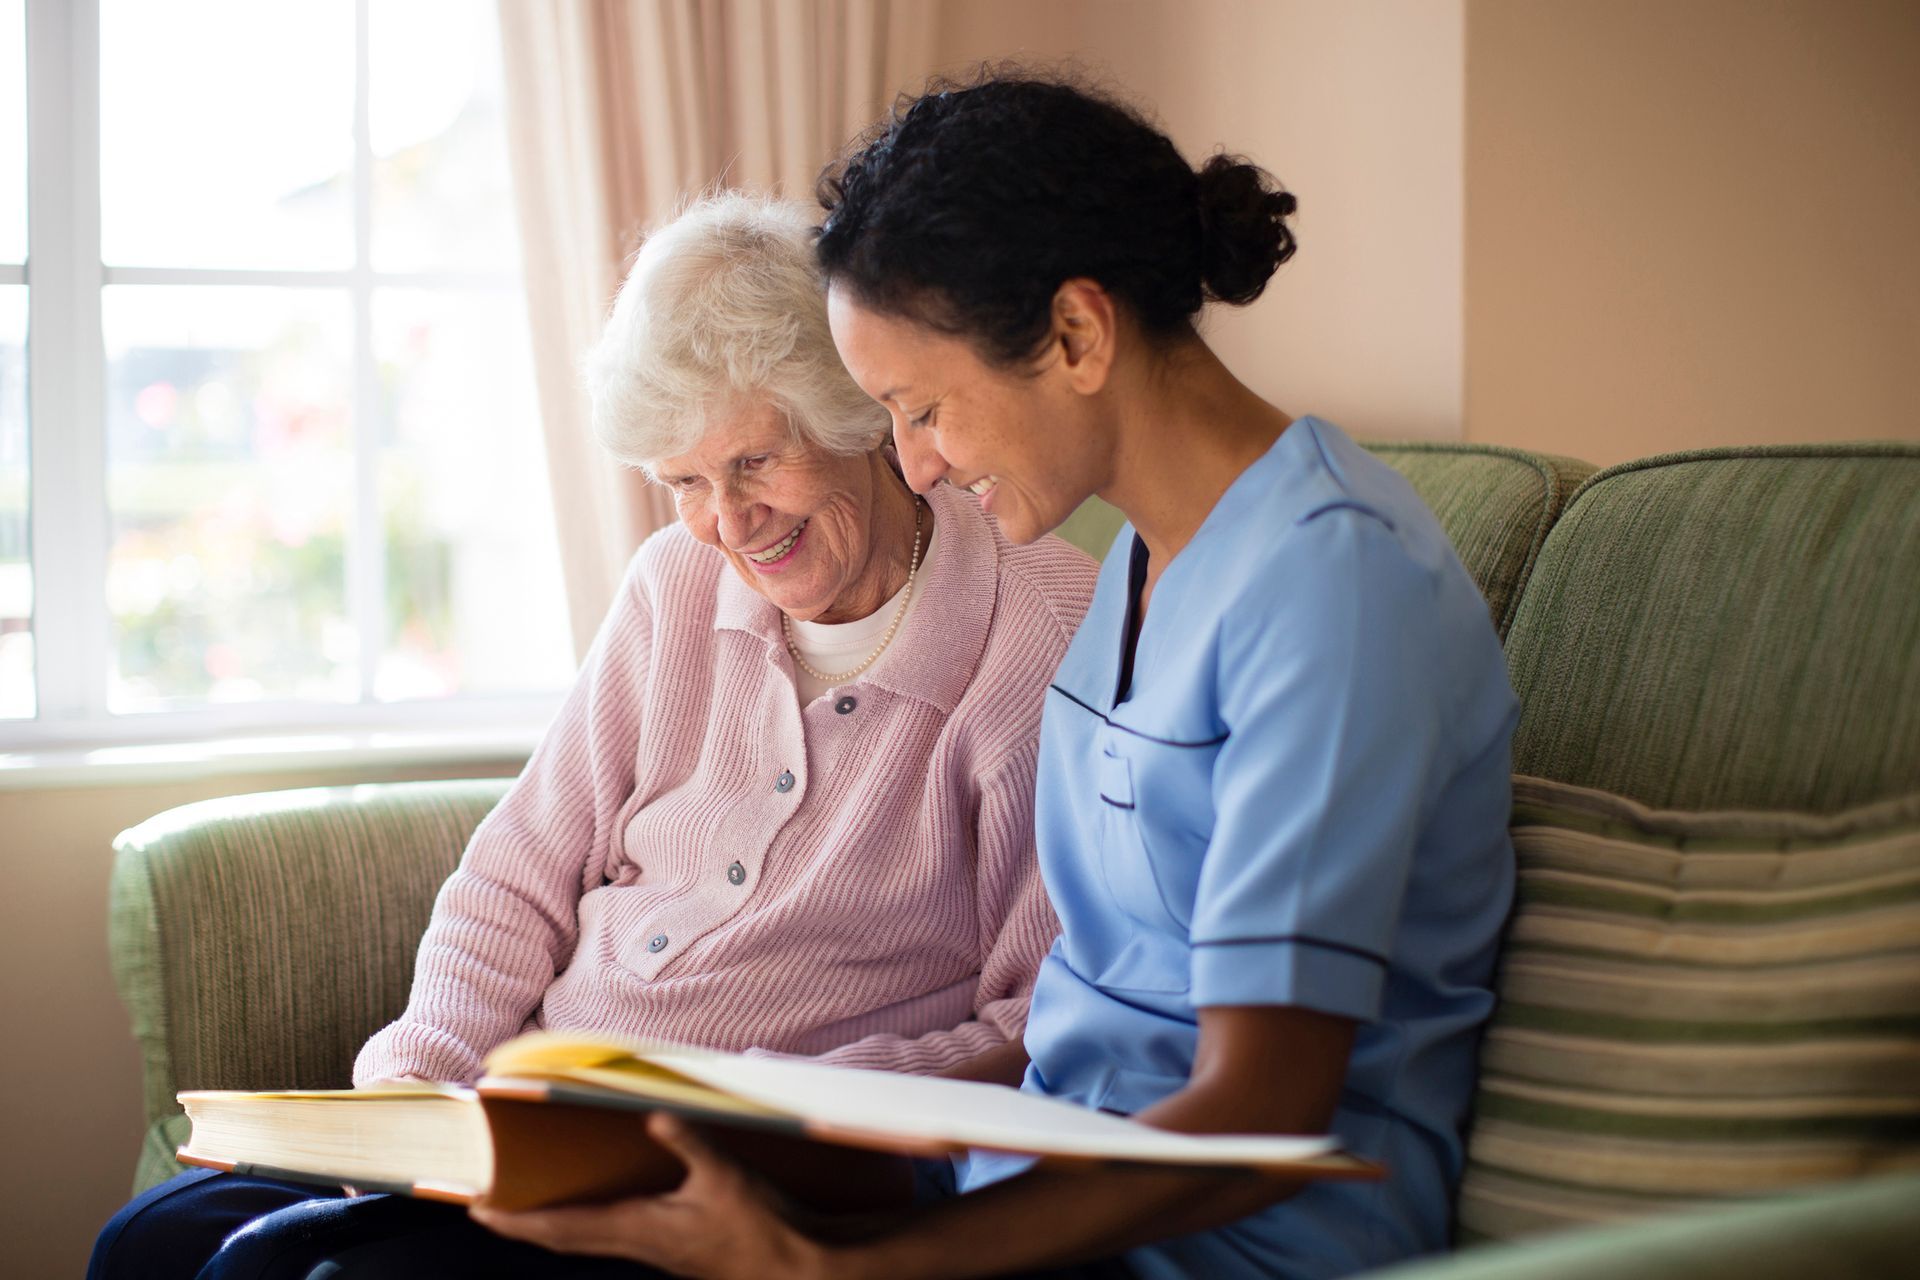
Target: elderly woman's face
797, 523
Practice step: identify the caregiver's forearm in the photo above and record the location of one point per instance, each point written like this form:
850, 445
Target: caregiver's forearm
1257, 1070
1051, 1217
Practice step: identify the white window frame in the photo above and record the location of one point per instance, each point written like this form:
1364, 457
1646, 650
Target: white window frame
66, 370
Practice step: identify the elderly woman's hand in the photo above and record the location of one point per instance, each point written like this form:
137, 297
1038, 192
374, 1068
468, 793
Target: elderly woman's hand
721, 1222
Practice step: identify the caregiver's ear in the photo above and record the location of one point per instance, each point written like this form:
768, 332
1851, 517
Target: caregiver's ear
1085, 329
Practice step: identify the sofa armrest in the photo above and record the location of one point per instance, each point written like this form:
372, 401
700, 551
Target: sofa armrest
1848, 1231
258, 940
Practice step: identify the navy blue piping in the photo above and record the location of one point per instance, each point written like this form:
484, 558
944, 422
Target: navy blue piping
1305, 939
1165, 742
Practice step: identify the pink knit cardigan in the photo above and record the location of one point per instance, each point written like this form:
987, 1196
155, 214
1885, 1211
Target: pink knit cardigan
691, 855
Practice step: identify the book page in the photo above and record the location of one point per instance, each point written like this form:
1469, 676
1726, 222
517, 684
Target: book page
408, 1089
430, 1139
923, 1109
968, 1113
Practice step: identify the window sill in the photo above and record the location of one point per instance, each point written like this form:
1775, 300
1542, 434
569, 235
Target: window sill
133, 765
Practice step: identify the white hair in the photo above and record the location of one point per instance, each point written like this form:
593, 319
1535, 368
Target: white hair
725, 308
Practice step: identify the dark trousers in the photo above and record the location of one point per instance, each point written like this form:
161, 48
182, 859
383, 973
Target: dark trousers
222, 1226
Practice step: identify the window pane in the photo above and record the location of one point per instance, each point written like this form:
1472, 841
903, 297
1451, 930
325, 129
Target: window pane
230, 476
441, 193
13, 131
226, 133
475, 603
16, 570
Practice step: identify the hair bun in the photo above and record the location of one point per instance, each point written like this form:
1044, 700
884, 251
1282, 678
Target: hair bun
972, 203
1244, 236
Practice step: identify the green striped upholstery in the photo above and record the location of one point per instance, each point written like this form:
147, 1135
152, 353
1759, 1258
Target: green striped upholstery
259, 940
1495, 504
1864, 1230
1696, 1006
1732, 629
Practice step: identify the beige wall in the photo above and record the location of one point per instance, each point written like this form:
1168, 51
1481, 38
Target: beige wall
70, 1072
1683, 222
1691, 223
1357, 108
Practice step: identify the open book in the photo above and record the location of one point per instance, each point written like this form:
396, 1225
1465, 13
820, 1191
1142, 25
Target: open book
561, 1117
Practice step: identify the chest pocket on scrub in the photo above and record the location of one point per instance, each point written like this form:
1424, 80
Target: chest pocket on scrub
1150, 879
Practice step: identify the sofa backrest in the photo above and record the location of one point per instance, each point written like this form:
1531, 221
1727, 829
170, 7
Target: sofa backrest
1496, 505
259, 940
1729, 629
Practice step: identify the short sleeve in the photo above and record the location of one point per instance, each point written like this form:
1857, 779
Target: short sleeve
1326, 685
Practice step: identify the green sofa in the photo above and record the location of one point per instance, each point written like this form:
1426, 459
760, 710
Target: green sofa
1725, 630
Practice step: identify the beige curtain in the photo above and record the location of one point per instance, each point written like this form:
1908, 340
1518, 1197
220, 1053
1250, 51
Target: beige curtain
618, 110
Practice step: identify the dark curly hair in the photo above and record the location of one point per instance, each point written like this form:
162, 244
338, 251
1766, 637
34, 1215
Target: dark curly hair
968, 207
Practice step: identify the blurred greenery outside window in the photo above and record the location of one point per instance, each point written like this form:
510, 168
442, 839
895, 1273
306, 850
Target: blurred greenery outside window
320, 460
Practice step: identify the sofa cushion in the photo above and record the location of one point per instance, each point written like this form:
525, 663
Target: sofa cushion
1695, 1006
259, 940
1496, 504
1865, 1230
1729, 629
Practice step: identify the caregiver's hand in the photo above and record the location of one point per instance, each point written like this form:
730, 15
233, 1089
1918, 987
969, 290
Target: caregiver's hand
719, 1223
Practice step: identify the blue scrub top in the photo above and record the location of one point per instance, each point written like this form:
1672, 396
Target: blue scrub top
1301, 799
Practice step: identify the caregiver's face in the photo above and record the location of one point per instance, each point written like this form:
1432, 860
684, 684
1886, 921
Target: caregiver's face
1016, 438
794, 521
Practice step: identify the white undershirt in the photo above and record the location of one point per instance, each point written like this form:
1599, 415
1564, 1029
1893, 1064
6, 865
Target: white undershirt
837, 646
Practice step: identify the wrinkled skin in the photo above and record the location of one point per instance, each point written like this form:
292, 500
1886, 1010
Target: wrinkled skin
752, 481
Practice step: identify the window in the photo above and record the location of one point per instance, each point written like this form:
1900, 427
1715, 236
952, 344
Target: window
16, 574
286, 466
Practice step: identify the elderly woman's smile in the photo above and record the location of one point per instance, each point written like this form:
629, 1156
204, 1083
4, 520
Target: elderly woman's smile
774, 556
826, 537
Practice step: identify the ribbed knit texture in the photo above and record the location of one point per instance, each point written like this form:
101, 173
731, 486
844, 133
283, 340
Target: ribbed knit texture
690, 855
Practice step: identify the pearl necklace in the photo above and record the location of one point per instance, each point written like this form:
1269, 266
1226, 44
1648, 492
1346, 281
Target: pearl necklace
906, 598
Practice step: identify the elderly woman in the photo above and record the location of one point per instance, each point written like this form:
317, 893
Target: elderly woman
788, 805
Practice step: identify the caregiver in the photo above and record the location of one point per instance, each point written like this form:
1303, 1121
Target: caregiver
1273, 783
